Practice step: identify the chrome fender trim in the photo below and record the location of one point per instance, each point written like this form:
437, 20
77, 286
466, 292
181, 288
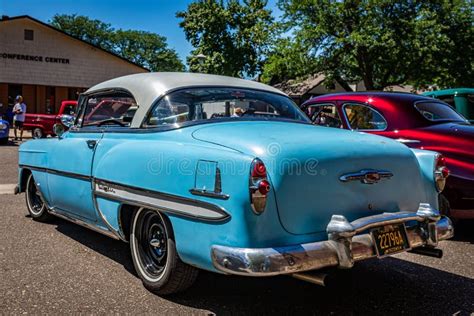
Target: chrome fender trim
84, 224
168, 203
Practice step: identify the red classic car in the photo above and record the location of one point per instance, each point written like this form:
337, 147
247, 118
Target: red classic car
418, 122
41, 125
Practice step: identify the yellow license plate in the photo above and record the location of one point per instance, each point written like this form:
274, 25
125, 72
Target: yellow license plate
390, 239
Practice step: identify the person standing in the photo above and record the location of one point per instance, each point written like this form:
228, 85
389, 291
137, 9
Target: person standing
19, 111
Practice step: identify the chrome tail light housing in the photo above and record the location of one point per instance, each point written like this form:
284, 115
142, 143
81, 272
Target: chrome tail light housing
259, 186
441, 172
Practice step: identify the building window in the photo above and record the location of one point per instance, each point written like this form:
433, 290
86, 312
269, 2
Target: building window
29, 35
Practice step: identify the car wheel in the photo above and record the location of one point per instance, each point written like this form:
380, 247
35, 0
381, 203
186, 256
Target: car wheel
34, 202
37, 133
154, 254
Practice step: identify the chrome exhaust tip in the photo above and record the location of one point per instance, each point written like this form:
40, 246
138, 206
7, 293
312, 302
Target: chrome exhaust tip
427, 251
311, 277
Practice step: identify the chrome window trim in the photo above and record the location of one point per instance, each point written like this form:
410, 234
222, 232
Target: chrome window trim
179, 125
83, 97
442, 103
366, 105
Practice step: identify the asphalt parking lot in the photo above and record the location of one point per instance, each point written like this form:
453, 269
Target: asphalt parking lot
63, 268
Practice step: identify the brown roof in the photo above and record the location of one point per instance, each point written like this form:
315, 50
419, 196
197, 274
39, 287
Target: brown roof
297, 87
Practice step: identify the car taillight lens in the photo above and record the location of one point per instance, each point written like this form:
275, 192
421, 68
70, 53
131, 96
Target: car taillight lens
259, 186
441, 172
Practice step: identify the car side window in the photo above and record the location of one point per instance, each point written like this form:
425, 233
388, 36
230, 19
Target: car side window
363, 117
110, 108
324, 115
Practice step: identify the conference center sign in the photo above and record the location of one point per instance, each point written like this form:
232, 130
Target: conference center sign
37, 58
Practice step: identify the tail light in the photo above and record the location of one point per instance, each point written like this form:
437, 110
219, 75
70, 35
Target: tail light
259, 186
441, 172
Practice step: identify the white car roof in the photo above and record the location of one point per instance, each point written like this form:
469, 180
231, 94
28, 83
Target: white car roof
146, 88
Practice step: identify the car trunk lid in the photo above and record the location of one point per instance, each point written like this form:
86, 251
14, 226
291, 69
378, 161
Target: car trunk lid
305, 164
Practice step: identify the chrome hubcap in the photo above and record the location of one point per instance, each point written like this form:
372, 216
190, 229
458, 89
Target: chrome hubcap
34, 198
151, 237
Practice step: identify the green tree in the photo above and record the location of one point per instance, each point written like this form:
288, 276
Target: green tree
147, 49
233, 36
287, 60
380, 42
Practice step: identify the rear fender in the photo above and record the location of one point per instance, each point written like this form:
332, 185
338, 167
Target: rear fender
426, 160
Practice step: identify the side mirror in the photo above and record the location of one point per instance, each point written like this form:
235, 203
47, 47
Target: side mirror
67, 120
58, 129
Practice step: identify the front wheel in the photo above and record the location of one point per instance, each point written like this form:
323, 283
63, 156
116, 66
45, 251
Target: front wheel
154, 254
34, 202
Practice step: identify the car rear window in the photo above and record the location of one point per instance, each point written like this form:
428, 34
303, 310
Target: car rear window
436, 111
216, 103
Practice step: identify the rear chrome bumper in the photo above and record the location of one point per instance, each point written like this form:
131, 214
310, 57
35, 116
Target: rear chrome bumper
345, 245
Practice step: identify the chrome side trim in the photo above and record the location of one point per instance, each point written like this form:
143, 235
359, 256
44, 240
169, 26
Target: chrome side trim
167, 203
58, 172
83, 224
118, 233
407, 141
343, 247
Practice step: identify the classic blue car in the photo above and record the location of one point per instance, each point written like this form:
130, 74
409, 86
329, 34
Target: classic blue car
4, 131
208, 172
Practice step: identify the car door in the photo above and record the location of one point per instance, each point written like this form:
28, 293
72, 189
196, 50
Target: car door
70, 164
69, 176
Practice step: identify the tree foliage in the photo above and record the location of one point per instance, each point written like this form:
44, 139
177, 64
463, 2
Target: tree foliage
147, 49
233, 36
380, 42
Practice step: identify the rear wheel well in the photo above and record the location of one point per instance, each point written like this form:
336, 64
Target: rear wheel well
126, 217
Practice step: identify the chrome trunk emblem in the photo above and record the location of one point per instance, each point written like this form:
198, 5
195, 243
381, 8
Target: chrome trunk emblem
367, 176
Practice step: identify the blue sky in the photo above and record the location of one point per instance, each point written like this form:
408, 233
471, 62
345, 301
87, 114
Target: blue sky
156, 16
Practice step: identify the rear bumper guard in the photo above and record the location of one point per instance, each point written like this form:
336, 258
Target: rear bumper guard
345, 245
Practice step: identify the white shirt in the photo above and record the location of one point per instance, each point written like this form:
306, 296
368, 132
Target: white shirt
19, 117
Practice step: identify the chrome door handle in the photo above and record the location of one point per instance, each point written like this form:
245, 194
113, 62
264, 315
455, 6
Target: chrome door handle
91, 144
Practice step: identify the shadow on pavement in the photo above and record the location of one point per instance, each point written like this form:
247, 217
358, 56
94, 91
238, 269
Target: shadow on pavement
464, 231
111, 248
388, 286
11, 143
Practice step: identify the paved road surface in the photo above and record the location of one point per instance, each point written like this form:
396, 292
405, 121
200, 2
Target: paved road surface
63, 268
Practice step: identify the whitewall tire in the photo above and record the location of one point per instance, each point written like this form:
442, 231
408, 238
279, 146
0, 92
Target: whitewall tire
34, 202
154, 254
